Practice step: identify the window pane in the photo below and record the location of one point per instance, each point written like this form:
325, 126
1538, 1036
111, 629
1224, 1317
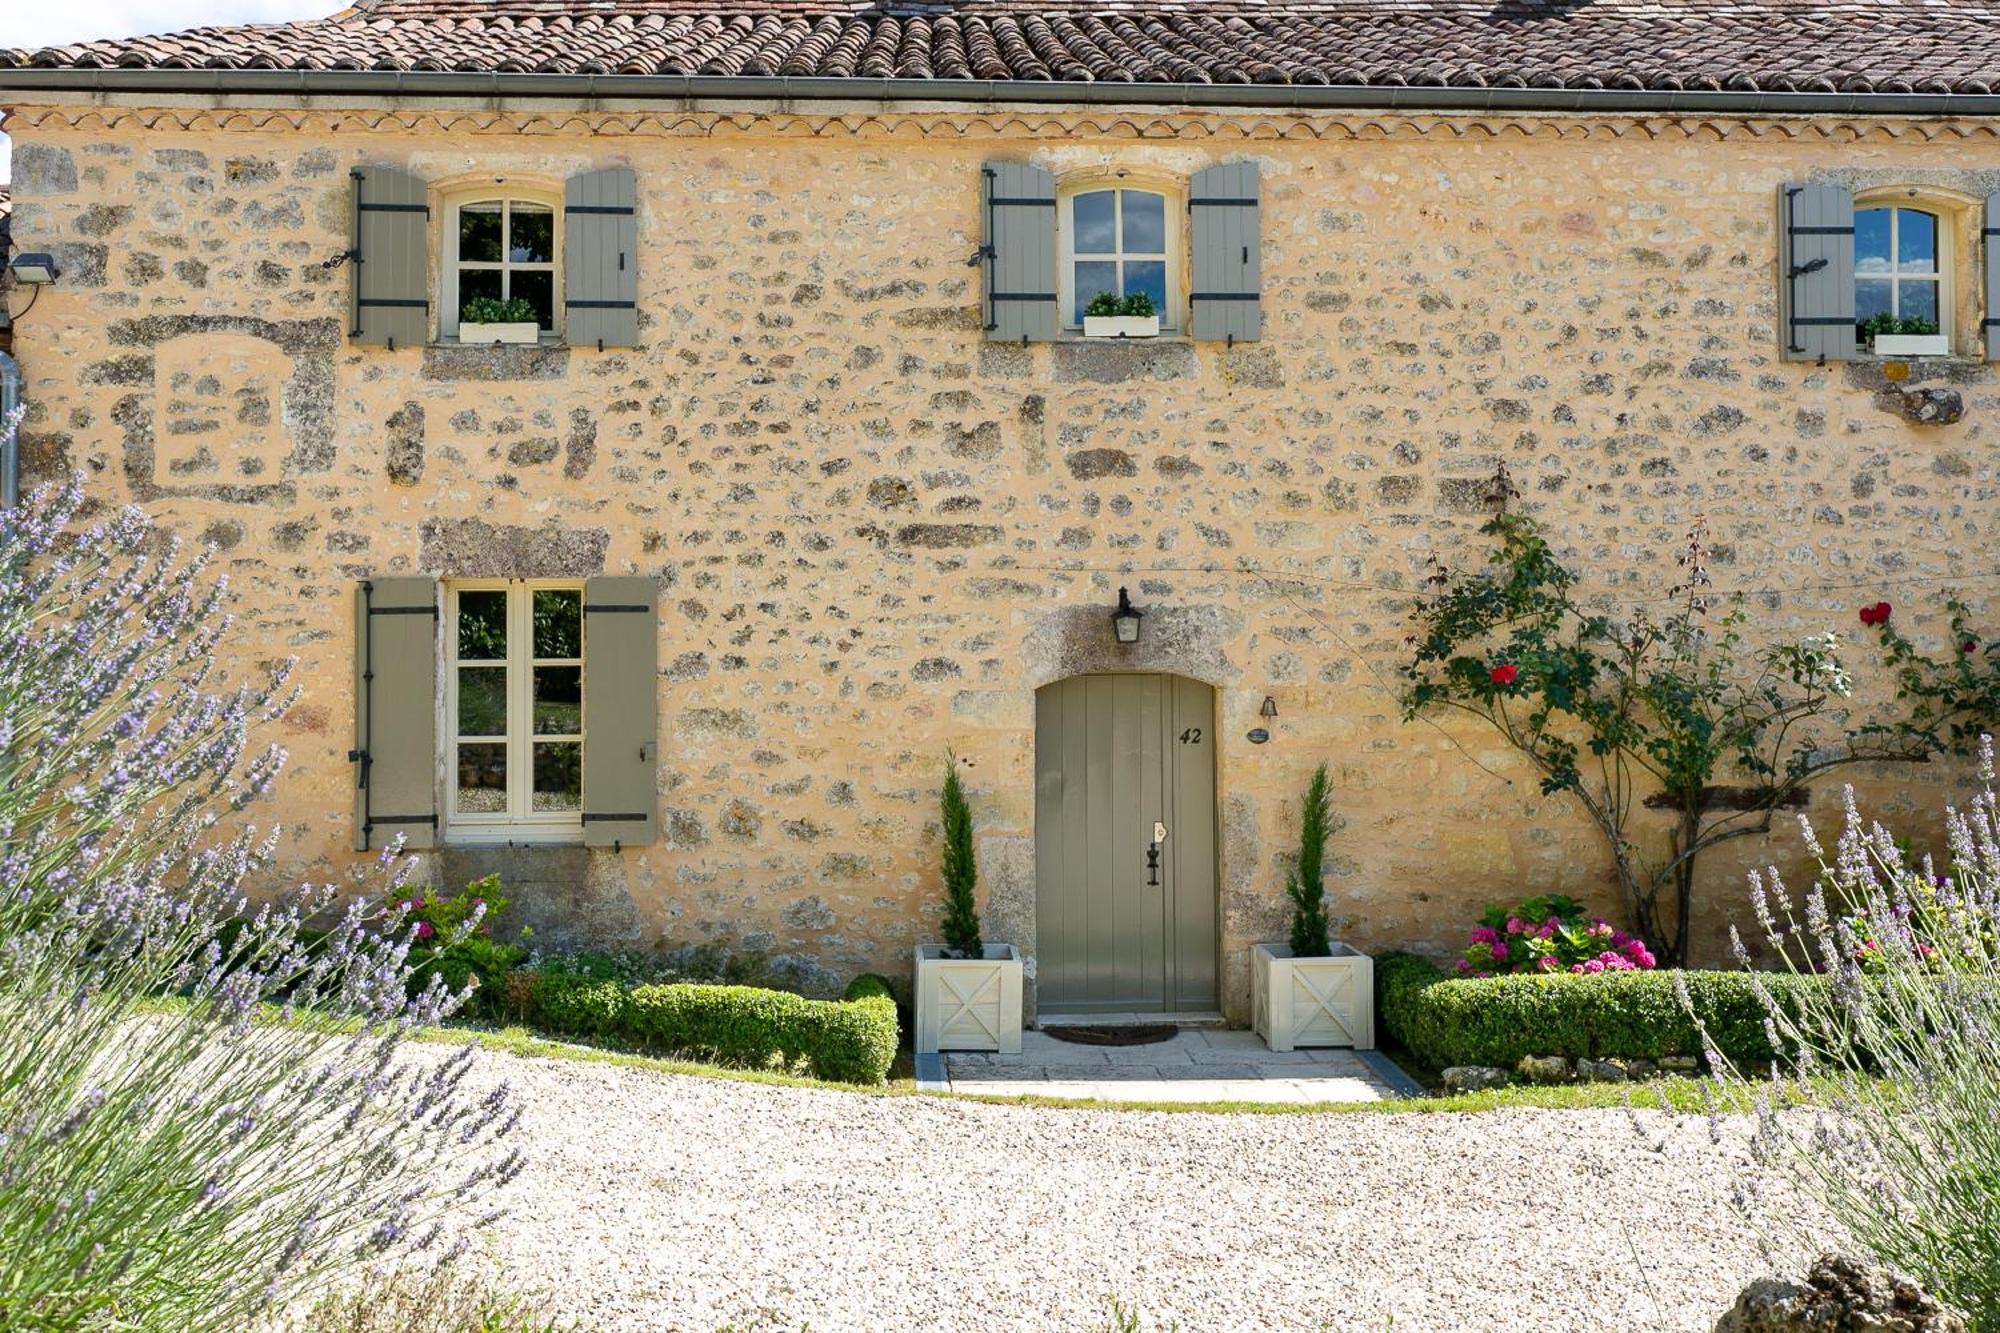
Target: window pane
532, 235
1094, 234
1871, 240
538, 290
1872, 297
1145, 224
479, 233
558, 776
558, 701
558, 622
477, 282
1916, 240
482, 779
1094, 276
482, 701
1918, 300
482, 625
1148, 276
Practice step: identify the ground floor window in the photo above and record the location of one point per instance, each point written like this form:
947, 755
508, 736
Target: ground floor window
516, 705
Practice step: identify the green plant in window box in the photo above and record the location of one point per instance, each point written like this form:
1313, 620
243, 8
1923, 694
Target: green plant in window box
1884, 322
1110, 305
486, 319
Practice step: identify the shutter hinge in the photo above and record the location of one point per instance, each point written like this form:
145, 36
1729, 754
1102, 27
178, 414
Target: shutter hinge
984, 252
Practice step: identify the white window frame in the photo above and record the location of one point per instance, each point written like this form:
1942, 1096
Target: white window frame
449, 263
519, 822
1944, 222
1174, 205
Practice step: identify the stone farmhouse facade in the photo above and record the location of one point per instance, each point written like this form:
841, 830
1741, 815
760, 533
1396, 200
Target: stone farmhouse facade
806, 473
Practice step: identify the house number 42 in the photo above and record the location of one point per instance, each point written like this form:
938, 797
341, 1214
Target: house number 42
1192, 736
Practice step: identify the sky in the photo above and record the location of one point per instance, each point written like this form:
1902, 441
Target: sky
36, 23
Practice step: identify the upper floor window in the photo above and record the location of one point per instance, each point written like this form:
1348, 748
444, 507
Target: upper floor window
516, 705
1118, 241
1900, 274
501, 250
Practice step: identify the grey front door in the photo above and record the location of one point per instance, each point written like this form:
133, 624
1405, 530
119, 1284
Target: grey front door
1125, 906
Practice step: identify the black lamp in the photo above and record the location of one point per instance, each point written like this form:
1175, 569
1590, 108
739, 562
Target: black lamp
1125, 620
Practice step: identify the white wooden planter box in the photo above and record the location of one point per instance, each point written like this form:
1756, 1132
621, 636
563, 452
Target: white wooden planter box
969, 1004
1912, 344
1312, 1001
500, 333
1121, 326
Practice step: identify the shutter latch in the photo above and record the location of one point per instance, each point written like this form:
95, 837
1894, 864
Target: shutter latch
1810, 266
982, 253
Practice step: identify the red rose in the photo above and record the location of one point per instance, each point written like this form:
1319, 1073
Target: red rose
1877, 614
1970, 646
1504, 673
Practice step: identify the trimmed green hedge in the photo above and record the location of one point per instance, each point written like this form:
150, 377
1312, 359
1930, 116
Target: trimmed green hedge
1446, 1021
849, 1040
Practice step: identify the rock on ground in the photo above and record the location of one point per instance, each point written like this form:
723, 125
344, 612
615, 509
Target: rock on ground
1840, 1294
658, 1202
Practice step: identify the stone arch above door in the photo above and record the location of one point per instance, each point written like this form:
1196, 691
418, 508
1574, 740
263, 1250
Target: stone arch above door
1190, 640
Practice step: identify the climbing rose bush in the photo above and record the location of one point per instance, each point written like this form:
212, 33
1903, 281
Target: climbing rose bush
1899, 1051
1550, 934
205, 1109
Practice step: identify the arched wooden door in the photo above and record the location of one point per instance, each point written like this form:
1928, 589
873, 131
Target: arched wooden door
1125, 901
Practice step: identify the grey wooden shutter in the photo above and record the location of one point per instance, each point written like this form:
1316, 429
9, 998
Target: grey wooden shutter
1226, 301
1816, 273
1989, 258
1020, 253
390, 292
395, 713
621, 727
601, 258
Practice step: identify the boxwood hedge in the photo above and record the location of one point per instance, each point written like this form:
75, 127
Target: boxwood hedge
1446, 1021
849, 1040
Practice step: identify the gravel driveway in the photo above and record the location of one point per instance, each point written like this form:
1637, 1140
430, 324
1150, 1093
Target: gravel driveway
659, 1202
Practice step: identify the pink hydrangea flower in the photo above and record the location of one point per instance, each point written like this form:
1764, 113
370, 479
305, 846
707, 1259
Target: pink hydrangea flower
1550, 963
1593, 965
1499, 953
1485, 935
1463, 966
425, 930
1515, 925
1548, 930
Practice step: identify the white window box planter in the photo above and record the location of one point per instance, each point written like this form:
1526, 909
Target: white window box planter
523, 334
1121, 326
1312, 1001
968, 1004
1912, 344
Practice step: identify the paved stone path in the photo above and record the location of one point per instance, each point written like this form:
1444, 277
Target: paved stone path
1197, 1065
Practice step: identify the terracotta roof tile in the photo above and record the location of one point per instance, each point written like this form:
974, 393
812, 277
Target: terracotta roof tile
1859, 46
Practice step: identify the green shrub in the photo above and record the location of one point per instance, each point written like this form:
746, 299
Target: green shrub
1306, 884
1633, 1015
960, 868
850, 1040
454, 939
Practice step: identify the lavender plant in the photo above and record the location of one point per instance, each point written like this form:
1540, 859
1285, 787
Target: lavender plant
1900, 1049
188, 1162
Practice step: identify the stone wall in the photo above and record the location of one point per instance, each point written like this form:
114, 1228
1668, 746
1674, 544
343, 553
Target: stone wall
877, 533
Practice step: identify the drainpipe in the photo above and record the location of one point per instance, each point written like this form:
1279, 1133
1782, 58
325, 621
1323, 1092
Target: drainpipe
10, 443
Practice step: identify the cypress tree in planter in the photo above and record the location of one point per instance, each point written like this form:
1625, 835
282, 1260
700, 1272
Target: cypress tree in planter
968, 992
1312, 991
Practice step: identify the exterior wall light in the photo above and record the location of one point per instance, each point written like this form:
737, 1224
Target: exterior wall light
1269, 710
34, 269
1125, 620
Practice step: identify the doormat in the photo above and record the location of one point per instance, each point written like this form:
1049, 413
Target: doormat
1145, 1034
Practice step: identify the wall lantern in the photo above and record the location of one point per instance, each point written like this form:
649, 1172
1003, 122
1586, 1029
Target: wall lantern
1125, 620
1269, 710
34, 269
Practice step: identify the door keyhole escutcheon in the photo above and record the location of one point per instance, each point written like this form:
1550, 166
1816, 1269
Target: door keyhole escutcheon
1153, 863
